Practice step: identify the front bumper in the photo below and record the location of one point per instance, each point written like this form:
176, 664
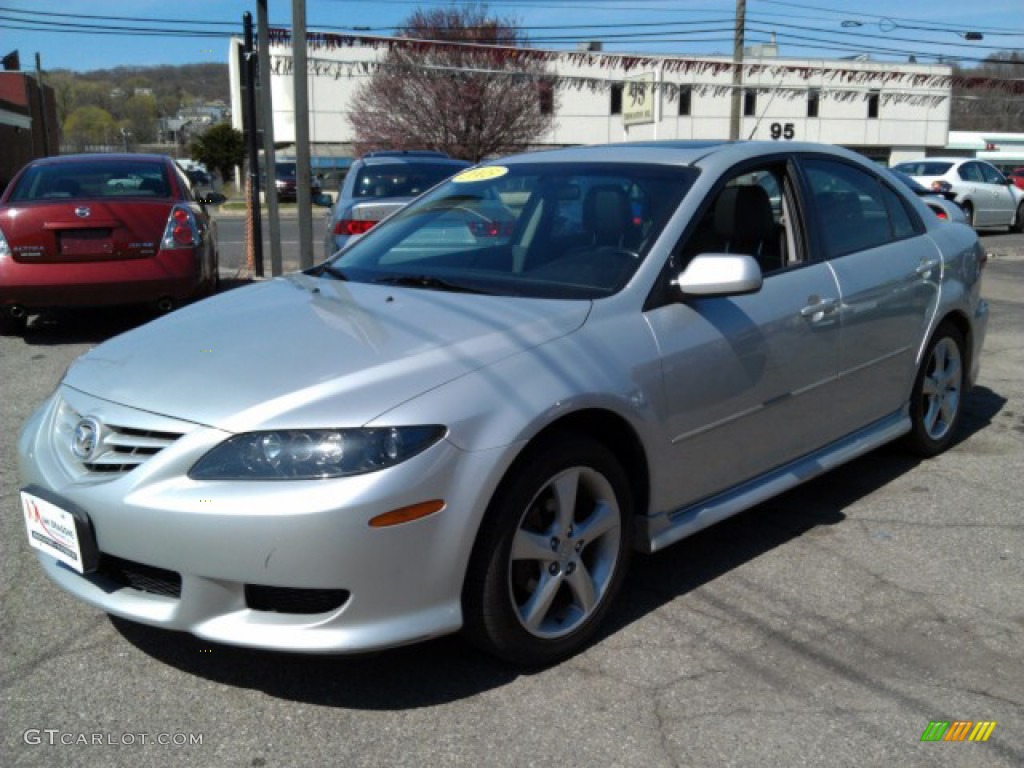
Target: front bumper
228, 540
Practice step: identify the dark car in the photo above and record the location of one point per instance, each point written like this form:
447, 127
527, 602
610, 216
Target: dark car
378, 184
286, 179
90, 230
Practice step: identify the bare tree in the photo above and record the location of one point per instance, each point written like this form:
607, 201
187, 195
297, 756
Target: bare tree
462, 93
990, 109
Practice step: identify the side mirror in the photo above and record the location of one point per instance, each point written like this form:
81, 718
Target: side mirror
212, 198
324, 200
720, 274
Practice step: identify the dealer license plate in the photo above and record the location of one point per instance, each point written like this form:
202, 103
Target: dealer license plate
52, 530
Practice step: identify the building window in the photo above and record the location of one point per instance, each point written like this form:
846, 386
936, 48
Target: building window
617, 99
547, 97
684, 100
873, 104
749, 103
813, 100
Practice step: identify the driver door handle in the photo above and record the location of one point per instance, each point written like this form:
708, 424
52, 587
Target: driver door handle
819, 307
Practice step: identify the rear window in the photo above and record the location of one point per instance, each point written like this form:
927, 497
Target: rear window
401, 179
92, 180
921, 168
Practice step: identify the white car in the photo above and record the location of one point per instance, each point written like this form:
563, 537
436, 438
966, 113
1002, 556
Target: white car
988, 198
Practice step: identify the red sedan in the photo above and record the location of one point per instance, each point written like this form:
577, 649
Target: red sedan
91, 230
1017, 177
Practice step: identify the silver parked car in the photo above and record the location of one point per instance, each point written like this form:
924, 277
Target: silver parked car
377, 185
987, 198
431, 431
943, 204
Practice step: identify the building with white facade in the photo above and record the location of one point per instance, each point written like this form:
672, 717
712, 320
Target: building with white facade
887, 111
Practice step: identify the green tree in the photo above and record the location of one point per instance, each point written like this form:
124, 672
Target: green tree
89, 125
220, 148
139, 111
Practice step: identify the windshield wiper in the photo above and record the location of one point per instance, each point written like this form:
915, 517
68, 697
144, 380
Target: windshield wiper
429, 282
331, 270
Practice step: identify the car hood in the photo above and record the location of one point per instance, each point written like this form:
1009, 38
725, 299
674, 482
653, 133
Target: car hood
303, 352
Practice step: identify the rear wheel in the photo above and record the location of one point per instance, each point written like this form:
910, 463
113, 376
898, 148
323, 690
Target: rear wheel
936, 403
551, 554
11, 325
969, 213
1018, 221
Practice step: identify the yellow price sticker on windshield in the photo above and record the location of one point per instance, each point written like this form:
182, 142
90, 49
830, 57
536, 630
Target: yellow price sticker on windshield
482, 174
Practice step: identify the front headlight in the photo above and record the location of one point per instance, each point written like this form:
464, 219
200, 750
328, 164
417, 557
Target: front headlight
306, 454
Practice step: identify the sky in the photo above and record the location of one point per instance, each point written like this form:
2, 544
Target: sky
84, 35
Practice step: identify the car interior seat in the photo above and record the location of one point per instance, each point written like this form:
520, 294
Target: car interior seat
607, 216
745, 222
153, 186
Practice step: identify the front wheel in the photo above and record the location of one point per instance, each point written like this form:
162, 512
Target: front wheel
936, 403
551, 553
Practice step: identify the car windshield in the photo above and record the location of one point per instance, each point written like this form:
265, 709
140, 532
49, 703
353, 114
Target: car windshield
401, 179
284, 170
92, 179
922, 168
539, 230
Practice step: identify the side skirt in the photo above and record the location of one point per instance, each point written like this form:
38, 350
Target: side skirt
659, 531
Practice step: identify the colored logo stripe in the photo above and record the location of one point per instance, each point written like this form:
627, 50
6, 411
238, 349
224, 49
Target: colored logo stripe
982, 731
958, 730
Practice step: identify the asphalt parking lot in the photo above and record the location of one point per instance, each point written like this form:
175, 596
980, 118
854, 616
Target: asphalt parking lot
827, 627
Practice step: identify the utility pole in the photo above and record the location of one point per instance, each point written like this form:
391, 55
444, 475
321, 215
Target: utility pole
737, 69
303, 182
42, 106
256, 230
269, 160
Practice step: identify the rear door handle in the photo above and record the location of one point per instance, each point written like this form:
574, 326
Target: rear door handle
925, 268
819, 308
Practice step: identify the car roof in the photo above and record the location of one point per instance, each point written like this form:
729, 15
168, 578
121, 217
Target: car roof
676, 152
94, 156
395, 159
942, 159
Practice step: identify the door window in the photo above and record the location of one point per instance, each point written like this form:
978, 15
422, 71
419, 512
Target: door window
990, 174
849, 207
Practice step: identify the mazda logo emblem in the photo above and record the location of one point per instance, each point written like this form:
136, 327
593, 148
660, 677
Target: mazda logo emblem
82, 212
85, 438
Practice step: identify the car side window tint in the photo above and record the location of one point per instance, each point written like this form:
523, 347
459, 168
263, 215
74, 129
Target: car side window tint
848, 207
971, 172
903, 225
990, 174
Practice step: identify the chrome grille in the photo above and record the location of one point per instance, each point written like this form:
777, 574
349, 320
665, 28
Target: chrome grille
119, 448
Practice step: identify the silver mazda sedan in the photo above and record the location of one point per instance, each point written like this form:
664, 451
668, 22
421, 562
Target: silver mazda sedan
473, 415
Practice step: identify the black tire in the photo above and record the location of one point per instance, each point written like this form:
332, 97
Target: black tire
557, 557
1018, 221
936, 402
969, 213
12, 326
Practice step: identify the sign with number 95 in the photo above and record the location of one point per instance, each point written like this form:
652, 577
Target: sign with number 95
780, 131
